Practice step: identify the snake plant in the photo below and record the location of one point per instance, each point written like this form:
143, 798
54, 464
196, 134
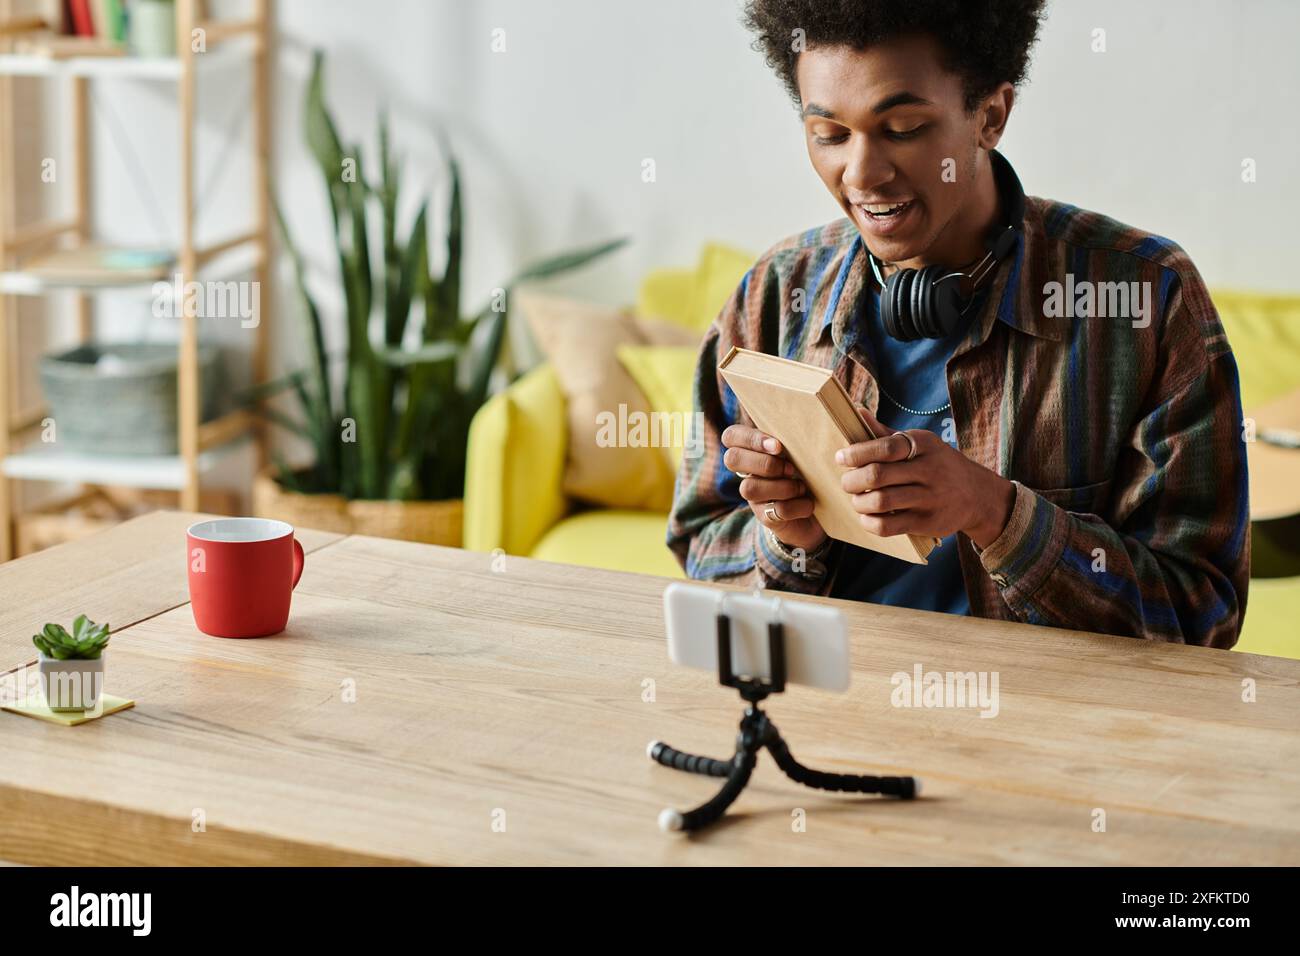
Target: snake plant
399, 425
86, 642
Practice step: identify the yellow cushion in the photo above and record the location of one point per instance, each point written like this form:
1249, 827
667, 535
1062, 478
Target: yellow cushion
665, 374
619, 540
508, 506
694, 297
717, 277
667, 294
1264, 332
1271, 611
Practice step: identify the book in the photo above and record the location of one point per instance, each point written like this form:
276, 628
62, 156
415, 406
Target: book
806, 409
106, 16
95, 264
83, 24
56, 47
117, 20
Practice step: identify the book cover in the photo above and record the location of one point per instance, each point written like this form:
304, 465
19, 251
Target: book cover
806, 409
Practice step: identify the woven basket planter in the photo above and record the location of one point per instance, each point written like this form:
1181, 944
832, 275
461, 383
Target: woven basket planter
120, 399
429, 522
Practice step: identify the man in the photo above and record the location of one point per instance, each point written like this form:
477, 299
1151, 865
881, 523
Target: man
1083, 465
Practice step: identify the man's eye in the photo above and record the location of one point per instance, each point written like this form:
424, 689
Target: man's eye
830, 140
905, 133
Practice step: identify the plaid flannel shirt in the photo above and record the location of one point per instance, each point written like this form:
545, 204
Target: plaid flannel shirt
1123, 434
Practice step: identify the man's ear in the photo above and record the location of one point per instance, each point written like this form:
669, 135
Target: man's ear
993, 114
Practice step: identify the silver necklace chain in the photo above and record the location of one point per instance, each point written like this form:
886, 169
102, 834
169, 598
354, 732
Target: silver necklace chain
911, 411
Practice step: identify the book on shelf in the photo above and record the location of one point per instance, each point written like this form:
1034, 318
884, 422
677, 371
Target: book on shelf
97, 264
108, 19
807, 410
83, 25
55, 47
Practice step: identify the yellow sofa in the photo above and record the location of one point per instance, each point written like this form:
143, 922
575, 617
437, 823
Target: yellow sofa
513, 487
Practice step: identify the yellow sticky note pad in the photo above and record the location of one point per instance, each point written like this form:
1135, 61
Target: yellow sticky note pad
36, 708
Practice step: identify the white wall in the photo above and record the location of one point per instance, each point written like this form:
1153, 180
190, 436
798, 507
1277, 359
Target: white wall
552, 132
1152, 131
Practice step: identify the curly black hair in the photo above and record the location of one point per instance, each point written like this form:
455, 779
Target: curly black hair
986, 42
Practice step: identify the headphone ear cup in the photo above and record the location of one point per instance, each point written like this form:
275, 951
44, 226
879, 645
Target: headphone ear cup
946, 304
889, 310
908, 298
923, 302
906, 318
920, 303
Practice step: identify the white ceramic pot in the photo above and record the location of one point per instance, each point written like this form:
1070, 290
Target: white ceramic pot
72, 685
152, 26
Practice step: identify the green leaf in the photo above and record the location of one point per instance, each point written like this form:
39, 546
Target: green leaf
318, 126
481, 358
319, 411
284, 474
404, 278
288, 424
79, 627
359, 258
56, 634
424, 355
263, 390
566, 261
448, 288
308, 403
367, 381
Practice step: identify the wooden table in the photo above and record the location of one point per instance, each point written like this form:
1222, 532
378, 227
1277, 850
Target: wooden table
525, 696
1274, 471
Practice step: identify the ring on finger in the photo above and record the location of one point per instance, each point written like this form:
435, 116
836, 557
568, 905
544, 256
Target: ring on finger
911, 453
769, 512
742, 474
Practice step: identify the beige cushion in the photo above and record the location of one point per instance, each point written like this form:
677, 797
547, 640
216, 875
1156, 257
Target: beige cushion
580, 340
666, 376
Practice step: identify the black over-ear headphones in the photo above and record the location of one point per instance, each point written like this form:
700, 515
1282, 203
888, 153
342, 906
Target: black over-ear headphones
929, 303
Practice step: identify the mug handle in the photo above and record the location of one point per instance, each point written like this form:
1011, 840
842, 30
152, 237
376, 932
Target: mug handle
298, 560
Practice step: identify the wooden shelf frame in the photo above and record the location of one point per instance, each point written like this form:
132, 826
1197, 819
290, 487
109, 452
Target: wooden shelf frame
227, 43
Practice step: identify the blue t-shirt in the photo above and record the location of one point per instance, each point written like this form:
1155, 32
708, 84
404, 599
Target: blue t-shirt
913, 374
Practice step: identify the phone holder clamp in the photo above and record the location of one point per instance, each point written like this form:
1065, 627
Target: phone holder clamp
757, 732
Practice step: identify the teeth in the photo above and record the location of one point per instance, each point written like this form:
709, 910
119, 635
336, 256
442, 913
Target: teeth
878, 209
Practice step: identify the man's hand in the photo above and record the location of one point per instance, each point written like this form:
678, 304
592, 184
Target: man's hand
939, 492
772, 483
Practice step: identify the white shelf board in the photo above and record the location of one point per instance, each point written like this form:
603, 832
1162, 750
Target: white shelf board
223, 55
237, 261
27, 283
48, 462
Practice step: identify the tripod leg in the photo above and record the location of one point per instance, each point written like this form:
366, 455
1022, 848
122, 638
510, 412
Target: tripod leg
741, 769
660, 752
903, 787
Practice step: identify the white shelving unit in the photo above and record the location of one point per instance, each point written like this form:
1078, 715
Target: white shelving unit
40, 462
230, 45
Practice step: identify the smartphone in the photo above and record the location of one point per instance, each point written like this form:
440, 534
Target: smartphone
816, 637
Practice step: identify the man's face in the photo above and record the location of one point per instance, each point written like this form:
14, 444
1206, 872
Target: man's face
882, 126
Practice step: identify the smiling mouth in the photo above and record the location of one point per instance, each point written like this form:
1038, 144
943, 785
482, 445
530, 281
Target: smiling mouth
885, 210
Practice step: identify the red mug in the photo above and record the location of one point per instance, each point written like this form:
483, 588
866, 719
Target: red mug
242, 575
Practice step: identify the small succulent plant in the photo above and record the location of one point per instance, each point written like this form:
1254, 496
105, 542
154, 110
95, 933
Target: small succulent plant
86, 642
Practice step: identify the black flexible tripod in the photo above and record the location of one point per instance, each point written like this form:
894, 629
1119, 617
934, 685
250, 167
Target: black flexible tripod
757, 732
